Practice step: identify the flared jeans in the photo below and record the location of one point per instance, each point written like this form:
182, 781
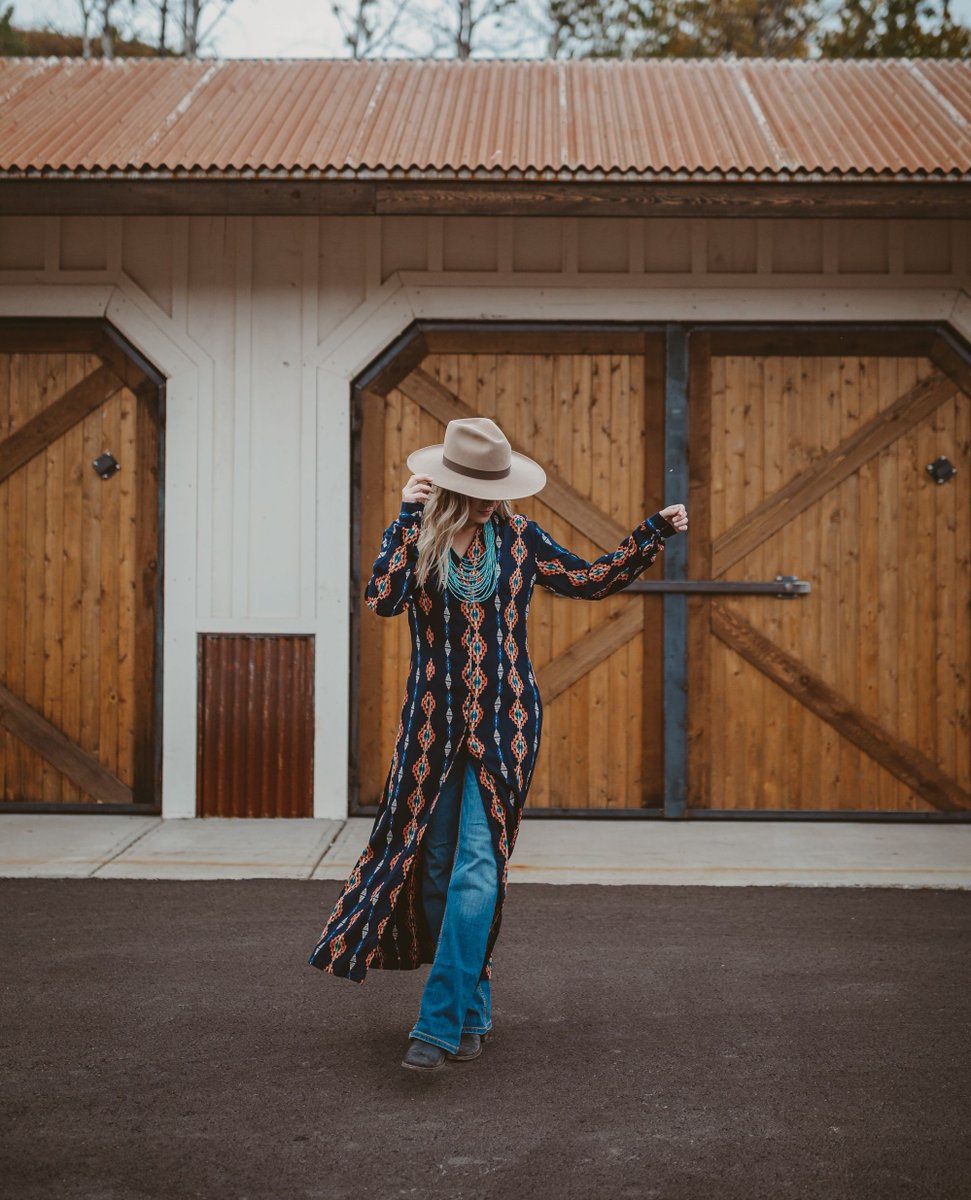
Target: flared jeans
460, 886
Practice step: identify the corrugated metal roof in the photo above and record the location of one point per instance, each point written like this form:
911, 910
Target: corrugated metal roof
658, 118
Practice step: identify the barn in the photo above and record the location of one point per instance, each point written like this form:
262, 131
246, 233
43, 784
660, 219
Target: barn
234, 295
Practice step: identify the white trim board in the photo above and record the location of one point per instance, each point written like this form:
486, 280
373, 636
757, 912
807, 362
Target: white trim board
328, 366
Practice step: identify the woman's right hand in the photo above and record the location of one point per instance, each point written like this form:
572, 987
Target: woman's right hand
417, 489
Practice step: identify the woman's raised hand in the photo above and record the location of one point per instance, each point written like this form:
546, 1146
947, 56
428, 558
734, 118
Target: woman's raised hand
677, 515
417, 489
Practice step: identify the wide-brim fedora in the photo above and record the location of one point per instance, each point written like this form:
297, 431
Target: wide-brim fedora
476, 460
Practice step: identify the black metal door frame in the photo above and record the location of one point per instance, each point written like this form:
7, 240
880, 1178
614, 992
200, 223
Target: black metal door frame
409, 349
677, 403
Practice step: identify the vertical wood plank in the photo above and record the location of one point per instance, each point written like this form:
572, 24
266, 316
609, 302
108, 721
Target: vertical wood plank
910, 580
90, 585
72, 595
752, 381
769, 458
586, 377
941, 431
930, 714
814, 629
706, 401
620, 757
822, 554
65, 560
53, 535
129, 680
887, 587
558, 745
598, 678
108, 584
957, 612
40, 389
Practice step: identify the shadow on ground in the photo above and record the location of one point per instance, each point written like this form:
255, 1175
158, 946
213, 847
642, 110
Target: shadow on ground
168, 1039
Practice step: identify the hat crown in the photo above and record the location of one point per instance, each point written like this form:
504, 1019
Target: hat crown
476, 443
477, 459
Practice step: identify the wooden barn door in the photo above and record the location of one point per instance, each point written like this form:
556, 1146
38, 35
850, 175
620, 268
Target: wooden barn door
809, 458
78, 570
595, 421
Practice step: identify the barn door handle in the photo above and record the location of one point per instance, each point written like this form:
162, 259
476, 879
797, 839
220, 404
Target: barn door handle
786, 587
106, 464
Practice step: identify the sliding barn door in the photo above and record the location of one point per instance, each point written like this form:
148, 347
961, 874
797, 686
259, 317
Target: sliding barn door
78, 573
810, 458
594, 420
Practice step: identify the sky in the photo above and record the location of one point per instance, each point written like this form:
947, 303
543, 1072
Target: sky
279, 28
249, 29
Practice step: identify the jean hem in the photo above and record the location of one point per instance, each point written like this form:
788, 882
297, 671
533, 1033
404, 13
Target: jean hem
451, 1047
480, 1029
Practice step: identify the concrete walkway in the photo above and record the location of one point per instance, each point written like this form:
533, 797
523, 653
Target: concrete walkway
814, 854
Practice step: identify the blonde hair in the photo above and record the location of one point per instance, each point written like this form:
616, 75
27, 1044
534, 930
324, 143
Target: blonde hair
444, 514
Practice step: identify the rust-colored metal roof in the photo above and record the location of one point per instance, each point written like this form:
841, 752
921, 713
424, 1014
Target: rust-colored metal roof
407, 119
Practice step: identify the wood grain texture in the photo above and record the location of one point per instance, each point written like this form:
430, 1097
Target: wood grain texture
582, 415
79, 563
51, 746
568, 500
763, 520
881, 545
705, 503
903, 760
50, 423
589, 651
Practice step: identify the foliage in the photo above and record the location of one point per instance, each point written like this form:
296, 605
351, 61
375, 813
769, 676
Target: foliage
760, 28
896, 29
686, 28
11, 40
48, 43
569, 28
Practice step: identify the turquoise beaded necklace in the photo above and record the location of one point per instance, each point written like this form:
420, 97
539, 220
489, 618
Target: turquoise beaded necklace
474, 581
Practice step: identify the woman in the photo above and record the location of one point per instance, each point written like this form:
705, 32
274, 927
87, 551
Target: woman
431, 882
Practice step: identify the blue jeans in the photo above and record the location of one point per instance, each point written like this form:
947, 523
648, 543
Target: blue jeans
460, 885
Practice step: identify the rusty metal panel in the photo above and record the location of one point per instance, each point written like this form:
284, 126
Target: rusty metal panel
256, 726
580, 119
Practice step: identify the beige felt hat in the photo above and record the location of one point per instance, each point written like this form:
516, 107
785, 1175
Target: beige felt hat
476, 460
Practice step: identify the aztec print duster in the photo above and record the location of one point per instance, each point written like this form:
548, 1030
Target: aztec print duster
471, 682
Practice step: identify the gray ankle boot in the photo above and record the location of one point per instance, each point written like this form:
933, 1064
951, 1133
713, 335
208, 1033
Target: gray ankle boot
423, 1056
469, 1047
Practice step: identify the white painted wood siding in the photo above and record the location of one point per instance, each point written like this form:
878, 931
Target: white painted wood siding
260, 323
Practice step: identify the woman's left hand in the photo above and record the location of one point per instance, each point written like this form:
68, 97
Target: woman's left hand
677, 514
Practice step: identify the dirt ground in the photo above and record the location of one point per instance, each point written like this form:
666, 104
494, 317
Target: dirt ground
169, 1039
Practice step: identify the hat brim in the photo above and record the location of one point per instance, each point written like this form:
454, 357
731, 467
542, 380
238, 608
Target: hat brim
525, 478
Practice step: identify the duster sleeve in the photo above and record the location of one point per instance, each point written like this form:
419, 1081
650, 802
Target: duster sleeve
560, 570
392, 578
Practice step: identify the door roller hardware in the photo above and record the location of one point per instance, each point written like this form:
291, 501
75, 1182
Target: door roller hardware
106, 464
785, 587
941, 469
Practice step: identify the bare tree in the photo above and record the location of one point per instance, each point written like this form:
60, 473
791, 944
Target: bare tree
368, 27
107, 31
199, 19
163, 22
460, 28
86, 9
190, 22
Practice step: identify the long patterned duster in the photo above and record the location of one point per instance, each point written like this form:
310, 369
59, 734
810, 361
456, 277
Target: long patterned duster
470, 683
